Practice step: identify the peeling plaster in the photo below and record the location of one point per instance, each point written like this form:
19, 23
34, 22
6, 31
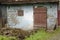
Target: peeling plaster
26, 22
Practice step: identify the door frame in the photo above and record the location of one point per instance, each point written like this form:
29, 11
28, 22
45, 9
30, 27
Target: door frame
46, 17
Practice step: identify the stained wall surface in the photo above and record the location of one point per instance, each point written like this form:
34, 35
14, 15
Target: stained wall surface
26, 22
23, 22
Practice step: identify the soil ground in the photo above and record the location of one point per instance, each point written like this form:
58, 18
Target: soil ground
56, 37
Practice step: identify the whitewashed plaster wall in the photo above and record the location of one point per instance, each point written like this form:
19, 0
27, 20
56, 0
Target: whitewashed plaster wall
26, 22
52, 16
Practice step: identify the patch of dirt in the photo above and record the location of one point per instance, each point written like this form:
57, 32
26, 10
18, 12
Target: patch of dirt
56, 37
21, 34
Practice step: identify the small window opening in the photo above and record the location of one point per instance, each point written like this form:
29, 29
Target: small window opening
20, 13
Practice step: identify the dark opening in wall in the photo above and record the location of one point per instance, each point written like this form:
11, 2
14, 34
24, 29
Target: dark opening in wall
20, 13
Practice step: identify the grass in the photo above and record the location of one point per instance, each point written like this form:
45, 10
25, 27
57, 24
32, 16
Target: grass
43, 35
40, 35
7, 38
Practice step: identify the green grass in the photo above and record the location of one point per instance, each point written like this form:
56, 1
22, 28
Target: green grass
40, 35
43, 35
7, 38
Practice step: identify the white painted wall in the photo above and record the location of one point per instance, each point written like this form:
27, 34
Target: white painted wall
52, 16
26, 22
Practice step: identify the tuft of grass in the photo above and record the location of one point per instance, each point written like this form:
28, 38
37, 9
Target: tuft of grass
43, 35
7, 38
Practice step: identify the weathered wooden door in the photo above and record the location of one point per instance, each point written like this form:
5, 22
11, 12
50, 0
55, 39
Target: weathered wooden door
40, 17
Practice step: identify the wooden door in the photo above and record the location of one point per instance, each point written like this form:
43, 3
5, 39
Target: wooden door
40, 17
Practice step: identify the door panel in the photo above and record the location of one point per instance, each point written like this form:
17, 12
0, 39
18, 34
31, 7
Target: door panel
40, 17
